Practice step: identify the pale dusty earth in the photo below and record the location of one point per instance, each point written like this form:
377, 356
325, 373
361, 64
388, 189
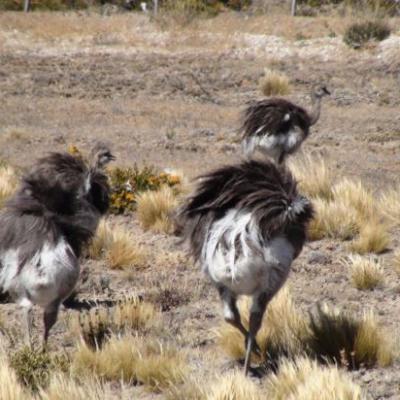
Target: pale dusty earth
171, 97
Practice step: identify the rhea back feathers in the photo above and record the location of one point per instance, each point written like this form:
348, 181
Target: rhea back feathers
269, 193
60, 196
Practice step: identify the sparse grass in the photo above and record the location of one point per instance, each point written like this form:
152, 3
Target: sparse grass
274, 83
97, 325
117, 247
304, 379
333, 219
10, 387
389, 205
190, 389
359, 33
8, 182
155, 209
132, 359
366, 272
234, 386
348, 341
283, 330
373, 238
314, 174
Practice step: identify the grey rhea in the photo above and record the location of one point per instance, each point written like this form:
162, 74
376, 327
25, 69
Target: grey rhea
276, 127
43, 228
245, 224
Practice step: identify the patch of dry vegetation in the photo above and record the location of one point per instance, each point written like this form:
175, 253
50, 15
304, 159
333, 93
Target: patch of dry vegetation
132, 359
389, 205
97, 325
274, 83
366, 272
64, 387
234, 386
373, 238
8, 182
348, 341
328, 335
117, 247
314, 175
304, 379
155, 208
10, 387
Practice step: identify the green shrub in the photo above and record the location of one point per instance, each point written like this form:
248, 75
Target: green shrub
359, 33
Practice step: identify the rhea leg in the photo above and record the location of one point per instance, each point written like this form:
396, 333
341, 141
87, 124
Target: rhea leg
232, 315
256, 315
26, 305
49, 319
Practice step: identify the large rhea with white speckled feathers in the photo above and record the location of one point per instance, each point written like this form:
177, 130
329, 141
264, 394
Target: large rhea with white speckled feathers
245, 224
44, 226
276, 127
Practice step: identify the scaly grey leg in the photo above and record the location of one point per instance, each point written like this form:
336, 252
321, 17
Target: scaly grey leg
49, 319
256, 315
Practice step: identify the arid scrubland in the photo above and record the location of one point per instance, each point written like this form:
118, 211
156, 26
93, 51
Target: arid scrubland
144, 323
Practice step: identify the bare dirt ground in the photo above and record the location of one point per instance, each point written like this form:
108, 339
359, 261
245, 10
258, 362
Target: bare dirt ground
172, 97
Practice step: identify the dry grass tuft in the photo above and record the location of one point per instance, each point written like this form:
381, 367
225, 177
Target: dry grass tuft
132, 359
8, 183
333, 219
63, 387
348, 341
190, 390
274, 83
366, 272
155, 208
97, 325
355, 195
234, 386
304, 379
373, 238
117, 247
389, 205
315, 176
283, 330
10, 388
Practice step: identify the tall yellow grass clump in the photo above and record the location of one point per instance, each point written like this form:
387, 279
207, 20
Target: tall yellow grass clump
117, 247
284, 328
389, 204
234, 386
132, 359
366, 272
274, 83
8, 183
64, 387
10, 388
314, 174
304, 379
333, 219
373, 238
154, 209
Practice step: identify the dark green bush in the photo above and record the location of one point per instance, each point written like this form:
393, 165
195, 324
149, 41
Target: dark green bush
359, 33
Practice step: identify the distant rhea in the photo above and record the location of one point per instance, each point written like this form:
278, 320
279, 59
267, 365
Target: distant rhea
43, 229
276, 127
245, 224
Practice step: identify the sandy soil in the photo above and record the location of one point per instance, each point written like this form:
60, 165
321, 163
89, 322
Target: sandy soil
172, 98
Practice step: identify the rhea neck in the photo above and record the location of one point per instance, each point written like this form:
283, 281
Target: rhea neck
316, 108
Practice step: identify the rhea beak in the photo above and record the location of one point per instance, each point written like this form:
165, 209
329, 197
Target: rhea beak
112, 157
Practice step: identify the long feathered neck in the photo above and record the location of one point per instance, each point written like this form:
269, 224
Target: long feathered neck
316, 109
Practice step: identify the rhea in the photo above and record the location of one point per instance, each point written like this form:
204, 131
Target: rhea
277, 127
245, 224
43, 229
